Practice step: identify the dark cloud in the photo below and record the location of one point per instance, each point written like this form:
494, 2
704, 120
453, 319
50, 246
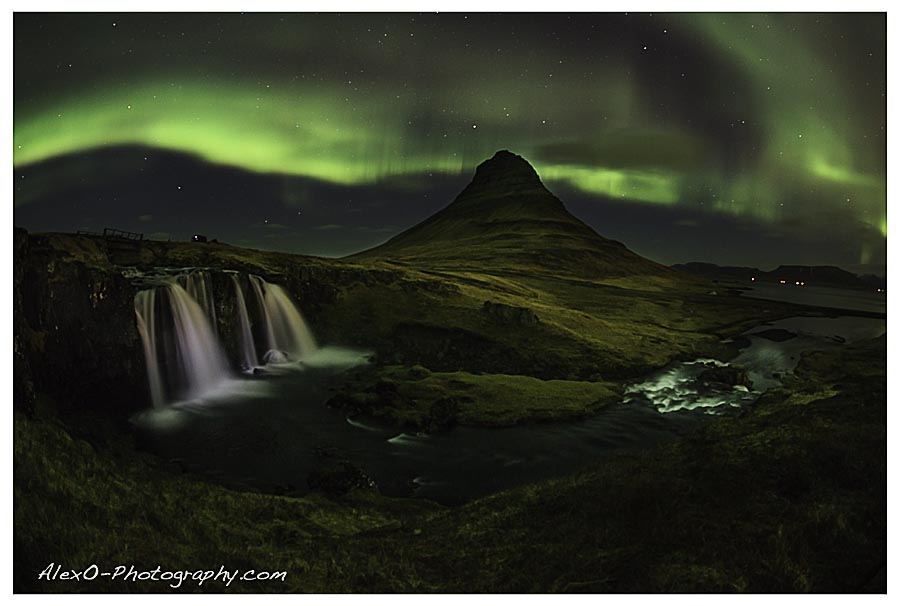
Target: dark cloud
629, 149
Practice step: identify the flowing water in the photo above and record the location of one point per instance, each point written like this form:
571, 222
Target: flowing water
185, 359
270, 430
249, 360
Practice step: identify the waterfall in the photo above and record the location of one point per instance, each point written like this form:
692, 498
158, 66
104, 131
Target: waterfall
199, 287
200, 357
285, 329
184, 357
182, 354
248, 349
144, 309
257, 283
291, 332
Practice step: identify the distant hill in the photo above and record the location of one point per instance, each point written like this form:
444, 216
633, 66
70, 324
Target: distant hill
813, 275
506, 219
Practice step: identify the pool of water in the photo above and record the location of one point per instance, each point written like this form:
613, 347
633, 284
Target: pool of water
269, 431
837, 298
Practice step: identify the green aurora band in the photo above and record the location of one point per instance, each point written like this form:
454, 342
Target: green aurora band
358, 134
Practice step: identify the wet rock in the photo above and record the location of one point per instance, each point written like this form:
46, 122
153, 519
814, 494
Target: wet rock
726, 375
275, 356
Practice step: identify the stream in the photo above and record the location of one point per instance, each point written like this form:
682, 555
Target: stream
270, 431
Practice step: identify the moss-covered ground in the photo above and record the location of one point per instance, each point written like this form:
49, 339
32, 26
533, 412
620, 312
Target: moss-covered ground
788, 497
416, 398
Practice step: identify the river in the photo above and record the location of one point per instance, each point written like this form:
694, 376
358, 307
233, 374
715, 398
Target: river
271, 431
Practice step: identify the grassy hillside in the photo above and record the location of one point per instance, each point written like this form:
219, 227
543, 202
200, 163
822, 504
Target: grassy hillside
789, 497
507, 221
488, 322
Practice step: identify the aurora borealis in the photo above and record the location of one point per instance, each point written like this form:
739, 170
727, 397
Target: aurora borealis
767, 126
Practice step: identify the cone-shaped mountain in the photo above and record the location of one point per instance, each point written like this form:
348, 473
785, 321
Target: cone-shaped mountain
505, 219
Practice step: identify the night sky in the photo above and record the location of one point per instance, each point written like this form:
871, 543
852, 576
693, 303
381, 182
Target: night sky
730, 138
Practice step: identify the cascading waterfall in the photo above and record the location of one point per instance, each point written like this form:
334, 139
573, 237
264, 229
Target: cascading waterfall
248, 349
200, 356
257, 284
291, 332
144, 309
198, 285
285, 330
183, 354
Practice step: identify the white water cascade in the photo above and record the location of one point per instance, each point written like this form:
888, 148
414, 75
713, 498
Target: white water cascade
285, 330
184, 356
198, 285
248, 349
269, 330
200, 358
144, 309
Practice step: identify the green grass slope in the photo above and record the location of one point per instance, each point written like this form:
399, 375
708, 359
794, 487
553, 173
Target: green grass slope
506, 220
790, 497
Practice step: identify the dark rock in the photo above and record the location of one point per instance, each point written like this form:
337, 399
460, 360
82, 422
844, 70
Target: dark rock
442, 415
386, 389
726, 375
175, 466
419, 372
509, 314
337, 475
75, 334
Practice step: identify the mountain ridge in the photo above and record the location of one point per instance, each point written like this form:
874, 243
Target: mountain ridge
506, 219
818, 275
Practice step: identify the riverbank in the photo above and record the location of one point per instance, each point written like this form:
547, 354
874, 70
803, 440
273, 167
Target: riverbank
790, 496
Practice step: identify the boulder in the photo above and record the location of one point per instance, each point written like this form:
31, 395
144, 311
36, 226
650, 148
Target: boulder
726, 375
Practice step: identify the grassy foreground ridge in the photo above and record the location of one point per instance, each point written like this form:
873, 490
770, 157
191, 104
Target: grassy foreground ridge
789, 497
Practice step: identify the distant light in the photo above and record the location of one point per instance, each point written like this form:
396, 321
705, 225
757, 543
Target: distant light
796, 283
802, 283
783, 281
753, 279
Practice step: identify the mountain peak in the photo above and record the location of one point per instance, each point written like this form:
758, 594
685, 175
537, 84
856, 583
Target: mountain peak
506, 220
505, 163
505, 171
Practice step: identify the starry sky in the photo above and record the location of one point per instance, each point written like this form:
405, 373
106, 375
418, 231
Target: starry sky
737, 138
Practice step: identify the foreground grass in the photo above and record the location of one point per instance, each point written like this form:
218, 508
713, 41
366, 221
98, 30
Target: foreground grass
790, 497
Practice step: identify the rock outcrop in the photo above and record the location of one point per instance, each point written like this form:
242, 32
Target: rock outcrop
510, 314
